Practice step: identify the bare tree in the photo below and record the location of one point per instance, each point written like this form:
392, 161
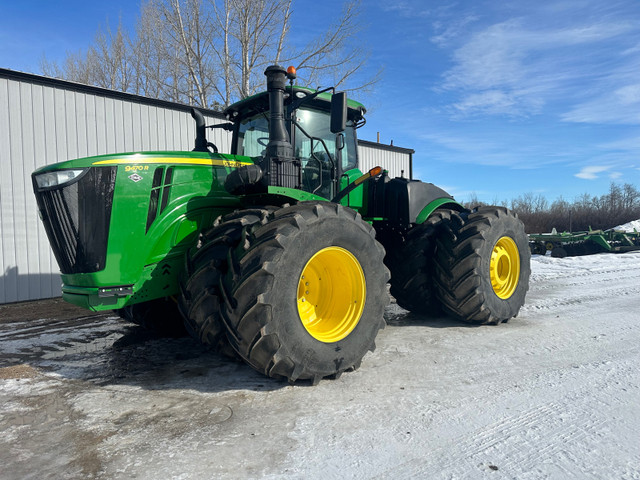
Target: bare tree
149, 55
108, 60
189, 30
74, 68
214, 52
619, 206
223, 53
336, 56
259, 28
106, 63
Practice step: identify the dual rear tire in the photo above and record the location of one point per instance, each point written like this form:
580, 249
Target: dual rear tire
474, 265
482, 266
409, 257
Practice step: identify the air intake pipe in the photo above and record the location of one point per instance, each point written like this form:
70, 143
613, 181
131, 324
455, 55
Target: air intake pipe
201, 136
279, 145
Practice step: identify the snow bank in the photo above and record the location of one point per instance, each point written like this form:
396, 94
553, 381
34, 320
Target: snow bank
628, 227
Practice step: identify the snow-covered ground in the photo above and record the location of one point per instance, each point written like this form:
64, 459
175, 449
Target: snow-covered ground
633, 226
553, 394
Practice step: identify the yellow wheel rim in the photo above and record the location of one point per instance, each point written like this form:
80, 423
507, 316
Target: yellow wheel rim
331, 294
505, 267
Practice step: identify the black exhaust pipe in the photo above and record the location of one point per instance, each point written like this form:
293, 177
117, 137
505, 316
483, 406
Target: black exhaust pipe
201, 136
279, 145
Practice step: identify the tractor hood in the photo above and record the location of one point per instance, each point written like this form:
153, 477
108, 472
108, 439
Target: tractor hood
137, 158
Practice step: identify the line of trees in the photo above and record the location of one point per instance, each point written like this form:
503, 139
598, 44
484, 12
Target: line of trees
212, 53
617, 207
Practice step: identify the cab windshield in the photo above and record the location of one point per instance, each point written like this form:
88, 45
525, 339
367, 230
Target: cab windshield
313, 144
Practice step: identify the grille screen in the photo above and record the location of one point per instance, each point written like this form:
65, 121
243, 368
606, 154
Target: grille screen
285, 174
76, 217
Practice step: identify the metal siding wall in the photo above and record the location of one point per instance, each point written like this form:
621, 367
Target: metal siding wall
40, 125
8, 281
394, 162
39, 260
45, 124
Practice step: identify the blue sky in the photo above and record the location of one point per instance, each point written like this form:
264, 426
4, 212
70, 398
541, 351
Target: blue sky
497, 98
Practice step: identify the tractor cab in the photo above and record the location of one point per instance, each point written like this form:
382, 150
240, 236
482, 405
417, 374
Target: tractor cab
300, 138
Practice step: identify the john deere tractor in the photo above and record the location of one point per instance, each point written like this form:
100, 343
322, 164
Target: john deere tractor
276, 251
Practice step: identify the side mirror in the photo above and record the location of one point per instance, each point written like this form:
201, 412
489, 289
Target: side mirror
338, 112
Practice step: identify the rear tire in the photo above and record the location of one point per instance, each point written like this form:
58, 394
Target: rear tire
410, 261
305, 293
483, 266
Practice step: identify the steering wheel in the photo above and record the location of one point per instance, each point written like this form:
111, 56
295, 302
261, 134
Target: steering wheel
264, 141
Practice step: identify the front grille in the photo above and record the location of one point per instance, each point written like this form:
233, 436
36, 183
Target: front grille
76, 218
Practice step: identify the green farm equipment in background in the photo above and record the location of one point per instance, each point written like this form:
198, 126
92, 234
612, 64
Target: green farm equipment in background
583, 243
280, 251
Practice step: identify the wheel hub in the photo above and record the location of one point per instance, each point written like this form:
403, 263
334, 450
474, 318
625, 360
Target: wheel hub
331, 294
505, 267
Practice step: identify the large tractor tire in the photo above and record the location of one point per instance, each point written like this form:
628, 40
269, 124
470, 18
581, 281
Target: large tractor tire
410, 260
199, 301
159, 316
305, 292
483, 266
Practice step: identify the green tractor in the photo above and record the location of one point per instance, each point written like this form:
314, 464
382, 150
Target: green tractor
279, 252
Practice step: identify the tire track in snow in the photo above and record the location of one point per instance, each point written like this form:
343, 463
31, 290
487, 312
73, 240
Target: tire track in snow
541, 437
549, 269
584, 279
571, 297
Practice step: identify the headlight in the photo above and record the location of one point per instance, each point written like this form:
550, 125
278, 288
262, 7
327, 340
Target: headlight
52, 179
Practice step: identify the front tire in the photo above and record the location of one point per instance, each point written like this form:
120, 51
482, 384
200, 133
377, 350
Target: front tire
199, 301
483, 266
160, 316
305, 293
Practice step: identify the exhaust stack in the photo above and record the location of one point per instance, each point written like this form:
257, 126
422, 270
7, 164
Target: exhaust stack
279, 145
201, 136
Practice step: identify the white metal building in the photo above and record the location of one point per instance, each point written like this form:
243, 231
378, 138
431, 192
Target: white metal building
44, 121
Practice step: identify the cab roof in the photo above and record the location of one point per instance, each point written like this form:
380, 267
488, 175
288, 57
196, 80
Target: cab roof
259, 103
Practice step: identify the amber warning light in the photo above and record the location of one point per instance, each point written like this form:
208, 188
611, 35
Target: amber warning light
374, 172
291, 72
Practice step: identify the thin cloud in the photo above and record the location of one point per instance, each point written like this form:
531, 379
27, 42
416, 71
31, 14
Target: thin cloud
591, 172
512, 148
621, 106
452, 28
627, 145
514, 68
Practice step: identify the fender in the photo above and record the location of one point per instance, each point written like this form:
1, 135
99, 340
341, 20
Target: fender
403, 202
431, 207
